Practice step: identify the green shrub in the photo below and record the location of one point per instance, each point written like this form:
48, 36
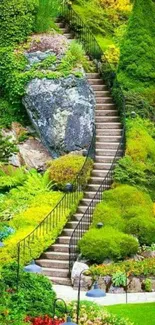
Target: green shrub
108, 215
7, 148
147, 284
129, 200
143, 228
137, 167
11, 177
35, 296
10, 113
47, 11
17, 19
24, 223
119, 279
65, 169
136, 67
99, 244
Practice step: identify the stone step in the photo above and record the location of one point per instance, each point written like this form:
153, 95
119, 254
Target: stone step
53, 263
108, 125
63, 239
94, 75
82, 208
59, 248
59, 280
100, 119
102, 166
62, 273
77, 216
72, 224
99, 173
100, 93
108, 131
106, 112
55, 256
106, 145
87, 201
100, 100
93, 187
60, 24
97, 81
104, 159
68, 35
67, 232
99, 87
108, 138
105, 152
90, 194
65, 30
98, 180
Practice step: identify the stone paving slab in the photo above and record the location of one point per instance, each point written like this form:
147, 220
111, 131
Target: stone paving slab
68, 294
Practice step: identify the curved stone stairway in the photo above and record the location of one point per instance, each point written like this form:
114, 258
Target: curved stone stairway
55, 261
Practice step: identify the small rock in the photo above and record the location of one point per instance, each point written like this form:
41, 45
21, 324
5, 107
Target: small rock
135, 285
148, 254
76, 271
116, 289
34, 154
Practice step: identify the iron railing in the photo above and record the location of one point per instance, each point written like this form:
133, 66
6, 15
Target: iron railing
65, 207
93, 49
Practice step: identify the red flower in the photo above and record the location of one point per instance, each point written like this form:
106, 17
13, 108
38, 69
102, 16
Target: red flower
46, 320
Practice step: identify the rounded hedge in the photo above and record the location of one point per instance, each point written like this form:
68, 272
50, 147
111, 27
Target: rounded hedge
128, 199
99, 244
143, 229
108, 215
65, 169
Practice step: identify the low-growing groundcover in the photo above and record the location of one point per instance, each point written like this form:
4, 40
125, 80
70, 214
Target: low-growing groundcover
139, 314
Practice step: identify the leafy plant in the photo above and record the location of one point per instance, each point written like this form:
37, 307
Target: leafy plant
145, 268
48, 10
17, 20
119, 279
147, 284
7, 148
65, 169
99, 244
35, 296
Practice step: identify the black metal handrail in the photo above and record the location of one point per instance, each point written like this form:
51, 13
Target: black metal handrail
93, 49
51, 221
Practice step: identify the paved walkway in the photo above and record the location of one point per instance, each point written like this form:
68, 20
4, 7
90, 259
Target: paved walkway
68, 294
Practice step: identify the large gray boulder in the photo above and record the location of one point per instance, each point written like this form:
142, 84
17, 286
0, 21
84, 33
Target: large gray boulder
62, 111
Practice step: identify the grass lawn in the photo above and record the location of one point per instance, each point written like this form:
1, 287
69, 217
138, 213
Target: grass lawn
140, 314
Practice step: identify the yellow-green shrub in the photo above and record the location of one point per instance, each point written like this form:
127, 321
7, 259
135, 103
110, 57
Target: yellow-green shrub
26, 223
65, 169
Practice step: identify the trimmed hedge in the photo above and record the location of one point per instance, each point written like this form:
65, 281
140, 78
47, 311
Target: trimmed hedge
17, 20
107, 242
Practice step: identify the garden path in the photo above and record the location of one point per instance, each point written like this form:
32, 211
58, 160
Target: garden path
68, 294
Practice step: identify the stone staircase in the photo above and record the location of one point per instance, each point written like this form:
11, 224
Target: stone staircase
55, 261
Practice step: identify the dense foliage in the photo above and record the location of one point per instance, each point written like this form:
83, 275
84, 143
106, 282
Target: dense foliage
137, 166
17, 20
98, 244
64, 170
138, 53
34, 298
135, 268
